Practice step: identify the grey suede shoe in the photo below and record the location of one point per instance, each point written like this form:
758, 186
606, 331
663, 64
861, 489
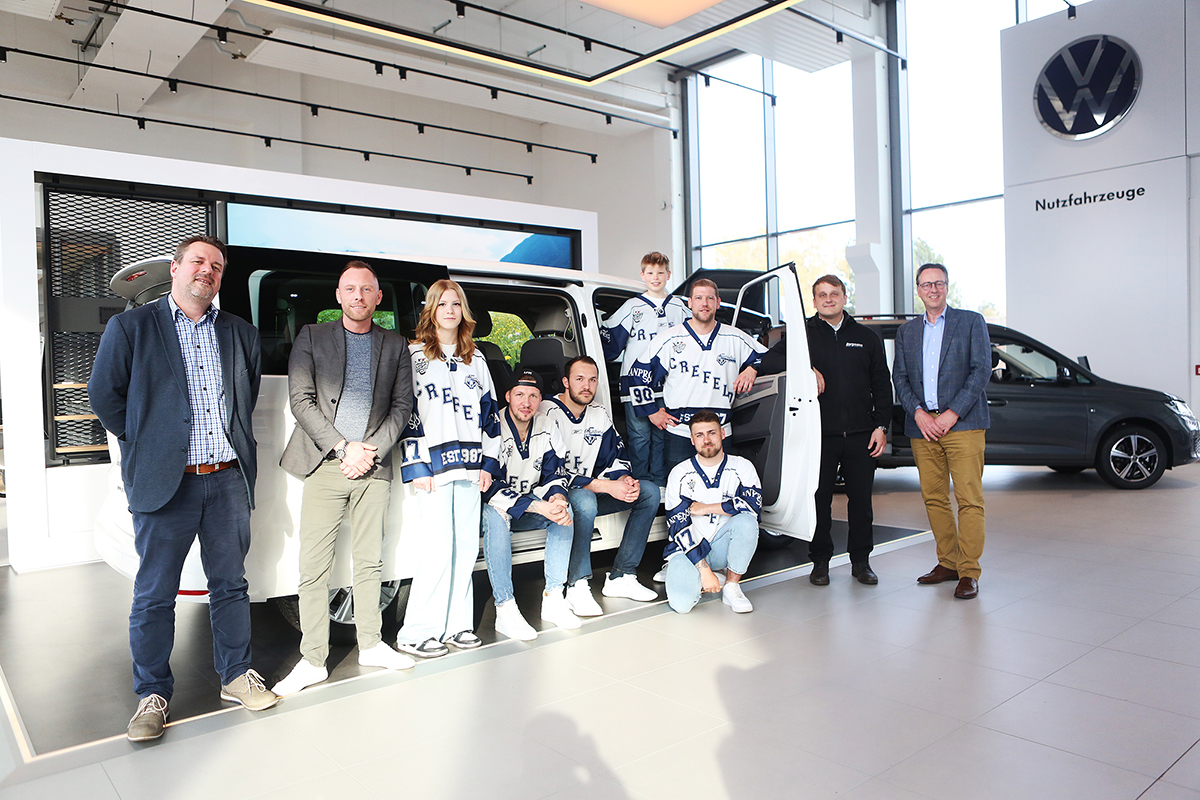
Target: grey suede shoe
250, 691
148, 721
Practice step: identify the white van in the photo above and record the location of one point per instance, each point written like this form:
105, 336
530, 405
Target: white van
537, 317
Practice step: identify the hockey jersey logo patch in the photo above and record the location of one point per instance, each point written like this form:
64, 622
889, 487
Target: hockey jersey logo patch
471, 382
724, 359
679, 346
421, 365
591, 435
637, 316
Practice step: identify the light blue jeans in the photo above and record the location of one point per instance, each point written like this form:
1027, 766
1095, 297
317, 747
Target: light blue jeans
644, 443
497, 550
440, 602
732, 547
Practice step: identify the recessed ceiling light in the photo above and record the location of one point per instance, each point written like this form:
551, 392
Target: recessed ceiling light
660, 14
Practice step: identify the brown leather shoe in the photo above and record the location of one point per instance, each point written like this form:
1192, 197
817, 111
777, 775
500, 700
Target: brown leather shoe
938, 574
968, 589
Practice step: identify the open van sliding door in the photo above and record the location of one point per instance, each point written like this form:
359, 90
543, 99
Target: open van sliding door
777, 424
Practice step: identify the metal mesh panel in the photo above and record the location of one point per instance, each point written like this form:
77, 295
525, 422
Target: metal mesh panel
85, 433
91, 237
73, 356
71, 401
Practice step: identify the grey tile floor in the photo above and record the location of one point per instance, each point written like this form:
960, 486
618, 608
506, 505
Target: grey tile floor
1076, 674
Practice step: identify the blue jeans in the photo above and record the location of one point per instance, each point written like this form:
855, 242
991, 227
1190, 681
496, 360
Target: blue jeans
732, 547
586, 505
645, 447
497, 550
676, 450
216, 507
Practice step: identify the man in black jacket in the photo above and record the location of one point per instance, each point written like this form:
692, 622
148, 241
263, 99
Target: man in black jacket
856, 406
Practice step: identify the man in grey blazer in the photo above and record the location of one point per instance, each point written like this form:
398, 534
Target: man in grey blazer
942, 366
351, 390
176, 381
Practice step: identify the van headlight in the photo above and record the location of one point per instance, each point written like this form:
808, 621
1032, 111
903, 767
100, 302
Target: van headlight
1181, 410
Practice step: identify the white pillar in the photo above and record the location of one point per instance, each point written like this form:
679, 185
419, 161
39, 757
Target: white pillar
870, 257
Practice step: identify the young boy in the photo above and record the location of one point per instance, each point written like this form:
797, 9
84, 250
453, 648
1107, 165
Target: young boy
631, 330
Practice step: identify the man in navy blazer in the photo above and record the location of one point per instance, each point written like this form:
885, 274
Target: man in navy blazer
176, 381
942, 366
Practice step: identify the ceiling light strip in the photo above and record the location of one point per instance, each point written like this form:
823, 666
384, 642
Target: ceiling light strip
175, 83
411, 70
366, 153
418, 39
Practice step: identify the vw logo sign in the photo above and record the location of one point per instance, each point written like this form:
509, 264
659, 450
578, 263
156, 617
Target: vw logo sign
1087, 87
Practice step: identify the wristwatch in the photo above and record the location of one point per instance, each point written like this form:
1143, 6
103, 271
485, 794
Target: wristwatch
340, 452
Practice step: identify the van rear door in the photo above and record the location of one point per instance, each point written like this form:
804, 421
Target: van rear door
777, 425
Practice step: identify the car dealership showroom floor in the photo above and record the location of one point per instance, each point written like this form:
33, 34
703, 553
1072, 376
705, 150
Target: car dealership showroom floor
1076, 673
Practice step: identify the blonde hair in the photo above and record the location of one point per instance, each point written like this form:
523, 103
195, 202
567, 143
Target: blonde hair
427, 330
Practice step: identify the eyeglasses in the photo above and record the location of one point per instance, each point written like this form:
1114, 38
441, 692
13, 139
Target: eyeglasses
927, 285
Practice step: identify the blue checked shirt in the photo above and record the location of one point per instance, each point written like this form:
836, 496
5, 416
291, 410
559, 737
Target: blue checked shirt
208, 443
931, 351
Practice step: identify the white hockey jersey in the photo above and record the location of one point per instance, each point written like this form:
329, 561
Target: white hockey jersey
733, 483
454, 430
696, 374
628, 332
594, 448
529, 470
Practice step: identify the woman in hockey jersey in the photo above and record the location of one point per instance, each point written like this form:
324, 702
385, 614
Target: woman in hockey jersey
450, 450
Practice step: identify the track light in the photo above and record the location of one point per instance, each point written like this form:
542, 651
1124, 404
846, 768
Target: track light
528, 180
707, 81
378, 68
3, 55
141, 124
460, 9
587, 45
608, 119
173, 85
593, 159
366, 156
403, 73
468, 169
267, 141
495, 94
222, 35
1070, 11
421, 129
313, 109
528, 148
840, 38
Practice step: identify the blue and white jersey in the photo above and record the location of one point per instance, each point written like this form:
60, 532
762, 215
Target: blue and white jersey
733, 483
454, 430
594, 448
629, 331
696, 374
529, 470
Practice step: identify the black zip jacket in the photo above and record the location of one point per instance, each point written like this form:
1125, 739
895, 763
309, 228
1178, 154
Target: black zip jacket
858, 386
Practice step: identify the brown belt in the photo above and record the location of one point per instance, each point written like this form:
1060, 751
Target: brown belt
204, 469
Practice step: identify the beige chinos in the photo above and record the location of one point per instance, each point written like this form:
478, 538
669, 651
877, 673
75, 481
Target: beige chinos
328, 497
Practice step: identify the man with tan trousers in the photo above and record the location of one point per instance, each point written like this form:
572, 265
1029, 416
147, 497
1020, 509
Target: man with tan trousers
942, 366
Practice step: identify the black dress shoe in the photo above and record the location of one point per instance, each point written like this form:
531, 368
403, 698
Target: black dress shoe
864, 573
820, 574
968, 589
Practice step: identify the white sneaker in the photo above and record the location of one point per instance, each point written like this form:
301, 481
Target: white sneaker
383, 656
302, 676
733, 596
661, 575
510, 623
581, 600
556, 611
627, 586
